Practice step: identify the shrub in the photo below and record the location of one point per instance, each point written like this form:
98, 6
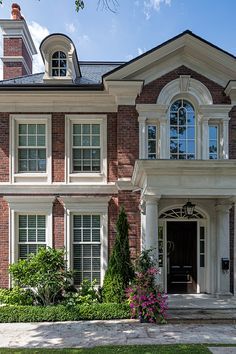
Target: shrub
64, 313
146, 299
16, 296
120, 270
44, 274
87, 294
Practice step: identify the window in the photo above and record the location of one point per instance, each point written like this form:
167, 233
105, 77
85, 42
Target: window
87, 248
31, 234
152, 141
213, 142
59, 64
31, 148
86, 148
182, 130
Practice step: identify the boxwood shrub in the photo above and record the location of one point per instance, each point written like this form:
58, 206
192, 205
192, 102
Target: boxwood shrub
103, 311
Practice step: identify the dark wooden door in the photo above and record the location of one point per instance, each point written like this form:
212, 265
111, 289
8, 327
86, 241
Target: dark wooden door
182, 257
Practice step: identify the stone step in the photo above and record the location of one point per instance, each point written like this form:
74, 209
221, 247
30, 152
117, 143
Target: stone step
189, 315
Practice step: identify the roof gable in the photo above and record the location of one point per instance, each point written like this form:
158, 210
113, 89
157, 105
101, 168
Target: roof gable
185, 49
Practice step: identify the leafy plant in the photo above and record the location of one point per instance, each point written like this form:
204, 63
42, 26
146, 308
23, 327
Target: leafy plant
145, 297
16, 296
44, 274
87, 294
120, 269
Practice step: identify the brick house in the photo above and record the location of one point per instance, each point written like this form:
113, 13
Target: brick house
83, 138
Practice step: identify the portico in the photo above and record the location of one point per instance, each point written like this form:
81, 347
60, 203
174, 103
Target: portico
166, 186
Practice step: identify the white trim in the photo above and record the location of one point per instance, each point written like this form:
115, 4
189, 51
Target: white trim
30, 178
17, 59
87, 205
30, 205
86, 178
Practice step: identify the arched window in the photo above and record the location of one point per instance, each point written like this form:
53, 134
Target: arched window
182, 131
59, 64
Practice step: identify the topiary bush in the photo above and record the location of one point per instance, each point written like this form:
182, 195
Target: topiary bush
120, 270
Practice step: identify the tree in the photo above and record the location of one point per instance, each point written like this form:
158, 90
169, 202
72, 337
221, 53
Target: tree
44, 274
110, 5
120, 270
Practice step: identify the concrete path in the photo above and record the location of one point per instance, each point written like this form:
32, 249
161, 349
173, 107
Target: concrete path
120, 332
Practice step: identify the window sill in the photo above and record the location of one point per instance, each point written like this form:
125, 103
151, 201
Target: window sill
87, 178
26, 178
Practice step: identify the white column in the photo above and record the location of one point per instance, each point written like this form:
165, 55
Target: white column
142, 137
164, 139
222, 248
225, 139
152, 224
205, 138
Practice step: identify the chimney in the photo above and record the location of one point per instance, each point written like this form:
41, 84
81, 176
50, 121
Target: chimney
18, 45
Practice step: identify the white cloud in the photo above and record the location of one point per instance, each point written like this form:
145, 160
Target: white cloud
150, 5
129, 57
83, 39
38, 33
141, 51
70, 27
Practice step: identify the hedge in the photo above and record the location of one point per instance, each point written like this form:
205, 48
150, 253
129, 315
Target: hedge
104, 311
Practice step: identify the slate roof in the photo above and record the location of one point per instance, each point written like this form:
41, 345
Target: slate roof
92, 73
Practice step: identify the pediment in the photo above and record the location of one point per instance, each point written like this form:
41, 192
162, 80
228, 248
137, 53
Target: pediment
185, 49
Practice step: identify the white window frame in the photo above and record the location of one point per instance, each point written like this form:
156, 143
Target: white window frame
29, 177
19, 205
219, 137
58, 68
86, 177
87, 206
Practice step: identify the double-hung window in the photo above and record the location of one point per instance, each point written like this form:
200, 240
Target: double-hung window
31, 234
152, 141
213, 143
86, 148
87, 248
30, 148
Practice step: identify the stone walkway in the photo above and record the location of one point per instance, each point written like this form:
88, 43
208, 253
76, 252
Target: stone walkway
96, 333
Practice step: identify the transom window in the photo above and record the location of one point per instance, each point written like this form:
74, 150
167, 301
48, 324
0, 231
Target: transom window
213, 142
31, 148
86, 148
59, 64
182, 130
87, 248
32, 234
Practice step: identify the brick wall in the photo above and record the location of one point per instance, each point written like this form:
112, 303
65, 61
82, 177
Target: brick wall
58, 147
15, 47
127, 140
151, 91
58, 224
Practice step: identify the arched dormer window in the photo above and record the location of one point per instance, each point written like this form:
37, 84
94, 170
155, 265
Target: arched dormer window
182, 131
59, 64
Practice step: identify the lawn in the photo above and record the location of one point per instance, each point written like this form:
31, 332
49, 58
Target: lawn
133, 349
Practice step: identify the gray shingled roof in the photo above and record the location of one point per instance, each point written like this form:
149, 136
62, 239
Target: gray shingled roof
92, 73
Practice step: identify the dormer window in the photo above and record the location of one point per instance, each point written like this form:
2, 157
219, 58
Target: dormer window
59, 64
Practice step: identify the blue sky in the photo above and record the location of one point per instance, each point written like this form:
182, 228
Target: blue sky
137, 26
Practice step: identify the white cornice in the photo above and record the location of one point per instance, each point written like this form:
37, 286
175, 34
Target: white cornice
17, 59
185, 177
151, 111
230, 91
125, 92
57, 101
19, 28
215, 111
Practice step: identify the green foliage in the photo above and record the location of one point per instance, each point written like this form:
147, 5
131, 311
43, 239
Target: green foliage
16, 296
44, 273
87, 294
120, 270
64, 313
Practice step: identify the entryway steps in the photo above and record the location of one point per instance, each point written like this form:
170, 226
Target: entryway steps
190, 315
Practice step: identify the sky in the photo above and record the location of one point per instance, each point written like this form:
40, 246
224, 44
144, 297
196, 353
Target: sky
136, 26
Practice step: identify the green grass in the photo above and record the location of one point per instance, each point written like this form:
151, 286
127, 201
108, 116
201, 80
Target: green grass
132, 349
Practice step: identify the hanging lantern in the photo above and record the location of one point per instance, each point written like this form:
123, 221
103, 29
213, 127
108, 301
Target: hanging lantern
188, 209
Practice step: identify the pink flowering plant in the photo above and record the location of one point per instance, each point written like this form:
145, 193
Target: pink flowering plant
145, 297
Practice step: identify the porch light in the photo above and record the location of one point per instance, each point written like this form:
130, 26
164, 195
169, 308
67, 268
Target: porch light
188, 209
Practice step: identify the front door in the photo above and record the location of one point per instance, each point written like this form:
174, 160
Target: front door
182, 257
